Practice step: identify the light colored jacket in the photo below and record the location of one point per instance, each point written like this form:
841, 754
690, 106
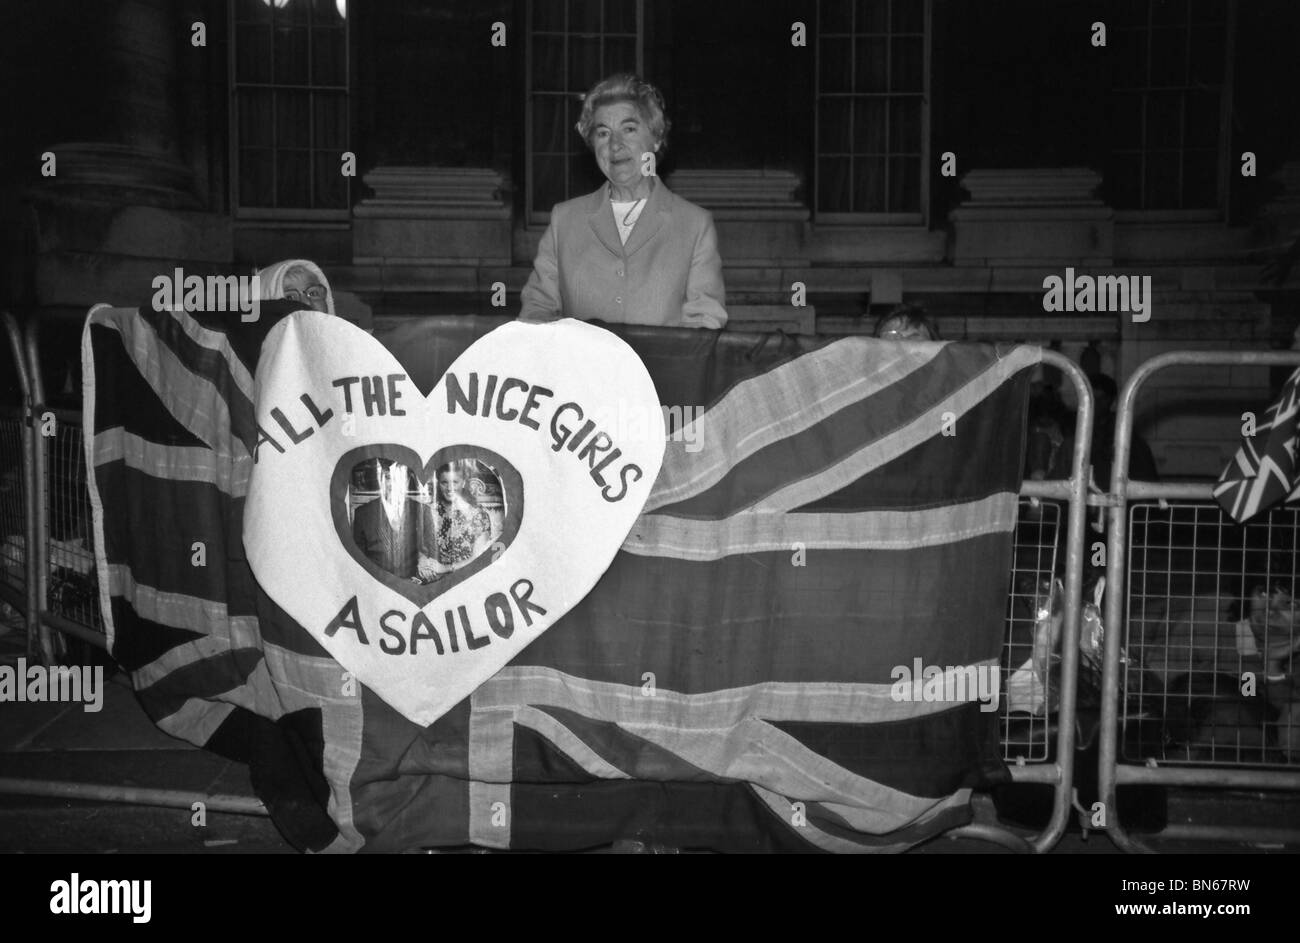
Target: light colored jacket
668, 274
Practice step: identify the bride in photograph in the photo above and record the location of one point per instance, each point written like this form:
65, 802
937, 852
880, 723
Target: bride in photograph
461, 529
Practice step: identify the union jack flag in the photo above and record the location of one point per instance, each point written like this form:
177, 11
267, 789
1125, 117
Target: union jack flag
841, 510
1263, 472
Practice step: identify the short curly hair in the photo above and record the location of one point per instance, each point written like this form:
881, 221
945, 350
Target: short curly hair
626, 87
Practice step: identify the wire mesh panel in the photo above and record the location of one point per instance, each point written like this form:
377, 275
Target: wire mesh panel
1034, 616
71, 589
1207, 673
13, 506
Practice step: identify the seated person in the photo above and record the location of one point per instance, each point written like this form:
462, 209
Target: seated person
1198, 636
631, 252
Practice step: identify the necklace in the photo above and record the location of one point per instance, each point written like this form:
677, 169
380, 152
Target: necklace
627, 217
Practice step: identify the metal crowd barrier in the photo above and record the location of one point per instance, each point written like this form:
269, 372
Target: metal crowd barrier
66, 587
18, 576
1184, 703
44, 504
47, 562
13, 511
1039, 745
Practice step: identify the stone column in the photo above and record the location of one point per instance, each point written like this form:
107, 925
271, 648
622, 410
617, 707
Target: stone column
136, 156
121, 207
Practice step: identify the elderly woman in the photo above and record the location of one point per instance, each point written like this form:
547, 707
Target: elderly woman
297, 280
632, 252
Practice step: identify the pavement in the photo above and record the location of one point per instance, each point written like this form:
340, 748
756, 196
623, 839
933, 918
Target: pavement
119, 746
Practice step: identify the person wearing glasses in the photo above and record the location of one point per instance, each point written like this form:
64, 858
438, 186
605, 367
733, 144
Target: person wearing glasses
297, 280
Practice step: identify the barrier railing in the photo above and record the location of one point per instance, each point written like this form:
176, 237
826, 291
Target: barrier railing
13, 508
70, 592
1188, 700
1038, 741
1030, 689
1029, 736
20, 561
1173, 712
66, 587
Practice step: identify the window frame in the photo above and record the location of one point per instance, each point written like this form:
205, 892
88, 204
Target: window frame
851, 218
1197, 214
287, 214
539, 219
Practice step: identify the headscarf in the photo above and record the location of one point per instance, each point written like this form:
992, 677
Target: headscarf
272, 280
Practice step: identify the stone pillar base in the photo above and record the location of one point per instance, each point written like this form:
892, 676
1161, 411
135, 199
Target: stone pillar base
122, 174
1032, 218
431, 216
759, 220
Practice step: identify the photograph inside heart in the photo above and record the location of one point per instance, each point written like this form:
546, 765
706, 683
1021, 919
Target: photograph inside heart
421, 530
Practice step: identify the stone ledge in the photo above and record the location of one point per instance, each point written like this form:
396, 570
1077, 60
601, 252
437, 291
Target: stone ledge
434, 193
757, 215
1064, 186
454, 215
767, 194
1032, 216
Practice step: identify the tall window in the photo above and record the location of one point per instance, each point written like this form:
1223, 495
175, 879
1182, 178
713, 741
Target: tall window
1169, 103
572, 44
871, 92
289, 107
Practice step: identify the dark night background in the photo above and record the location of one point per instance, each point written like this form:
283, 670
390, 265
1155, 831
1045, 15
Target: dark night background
821, 163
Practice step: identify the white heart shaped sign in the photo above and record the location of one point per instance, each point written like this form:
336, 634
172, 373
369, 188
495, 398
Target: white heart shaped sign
424, 541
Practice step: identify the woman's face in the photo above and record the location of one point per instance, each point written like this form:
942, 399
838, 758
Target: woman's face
619, 137
301, 286
449, 484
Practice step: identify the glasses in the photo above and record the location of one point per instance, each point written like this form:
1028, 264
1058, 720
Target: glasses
312, 293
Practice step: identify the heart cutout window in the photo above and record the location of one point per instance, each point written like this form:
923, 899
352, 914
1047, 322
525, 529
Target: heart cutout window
423, 528
392, 522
